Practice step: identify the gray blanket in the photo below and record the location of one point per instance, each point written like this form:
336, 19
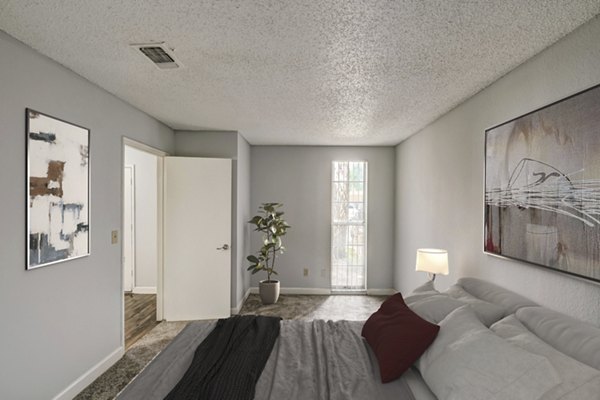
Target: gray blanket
229, 362
310, 360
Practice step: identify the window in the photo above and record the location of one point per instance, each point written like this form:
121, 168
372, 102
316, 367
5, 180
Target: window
349, 226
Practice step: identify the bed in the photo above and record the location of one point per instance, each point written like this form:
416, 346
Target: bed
491, 344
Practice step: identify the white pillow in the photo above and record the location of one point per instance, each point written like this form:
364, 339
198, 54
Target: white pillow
426, 287
469, 362
568, 335
425, 290
434, 308
414, 297
491, 310
509, 301
579, 381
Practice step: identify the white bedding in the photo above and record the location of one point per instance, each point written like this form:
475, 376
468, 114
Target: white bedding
467, 361
570, 347
326, 360
417, 385
578, 381
311, 360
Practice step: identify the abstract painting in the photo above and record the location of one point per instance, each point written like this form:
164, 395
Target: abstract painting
542, 186
58, 190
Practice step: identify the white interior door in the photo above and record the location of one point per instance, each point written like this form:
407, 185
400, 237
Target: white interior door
128, 228
197, 234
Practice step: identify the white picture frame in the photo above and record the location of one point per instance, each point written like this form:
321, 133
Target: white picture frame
58, 187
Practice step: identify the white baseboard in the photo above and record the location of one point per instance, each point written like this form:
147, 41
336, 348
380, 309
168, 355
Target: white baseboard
90, 375
381, 292
325, 292
144, 290
288, 290
236, 310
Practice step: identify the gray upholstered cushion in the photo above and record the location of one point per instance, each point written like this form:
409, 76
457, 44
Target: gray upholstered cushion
572, 337
468, 361
497, 295
579, 381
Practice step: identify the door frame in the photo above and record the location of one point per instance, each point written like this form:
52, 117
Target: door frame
160, 221
132, 228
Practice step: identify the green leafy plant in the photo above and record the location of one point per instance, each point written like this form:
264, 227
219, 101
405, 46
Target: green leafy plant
270, 222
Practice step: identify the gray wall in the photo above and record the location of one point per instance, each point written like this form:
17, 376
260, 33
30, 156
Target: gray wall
439, 179
59, 321
226, 145
243, 215
300, 178
222, 144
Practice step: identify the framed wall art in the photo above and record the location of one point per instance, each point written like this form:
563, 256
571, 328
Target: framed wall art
58, 187
542, 186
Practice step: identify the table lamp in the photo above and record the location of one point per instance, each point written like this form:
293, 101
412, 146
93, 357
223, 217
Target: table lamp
432, 261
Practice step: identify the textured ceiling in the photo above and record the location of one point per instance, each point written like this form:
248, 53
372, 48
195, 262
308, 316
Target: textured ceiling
296, 72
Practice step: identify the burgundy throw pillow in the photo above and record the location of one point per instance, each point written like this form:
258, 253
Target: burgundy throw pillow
397, 336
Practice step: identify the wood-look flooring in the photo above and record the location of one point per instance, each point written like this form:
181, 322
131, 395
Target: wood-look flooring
140, 316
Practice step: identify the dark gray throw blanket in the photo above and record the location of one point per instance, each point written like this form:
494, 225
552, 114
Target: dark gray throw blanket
228, 363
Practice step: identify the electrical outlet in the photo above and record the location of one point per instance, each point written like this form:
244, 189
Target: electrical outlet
305, 271
114, 237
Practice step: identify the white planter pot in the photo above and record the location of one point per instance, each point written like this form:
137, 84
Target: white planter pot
269, 291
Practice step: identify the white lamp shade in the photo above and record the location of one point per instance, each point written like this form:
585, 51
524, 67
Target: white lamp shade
434, 261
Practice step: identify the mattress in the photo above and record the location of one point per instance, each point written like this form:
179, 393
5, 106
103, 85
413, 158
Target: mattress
310, 360
330, 360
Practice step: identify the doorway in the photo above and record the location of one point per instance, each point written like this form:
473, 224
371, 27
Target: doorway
183, 253
142, 197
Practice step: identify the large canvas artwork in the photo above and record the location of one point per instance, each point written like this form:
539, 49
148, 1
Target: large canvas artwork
58, 190
542, 186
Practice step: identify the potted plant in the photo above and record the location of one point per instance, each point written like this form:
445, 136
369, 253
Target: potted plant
270, 222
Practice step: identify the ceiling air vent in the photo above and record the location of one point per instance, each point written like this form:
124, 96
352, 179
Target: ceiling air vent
159, 53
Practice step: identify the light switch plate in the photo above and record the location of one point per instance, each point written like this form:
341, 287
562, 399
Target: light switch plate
114, 237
